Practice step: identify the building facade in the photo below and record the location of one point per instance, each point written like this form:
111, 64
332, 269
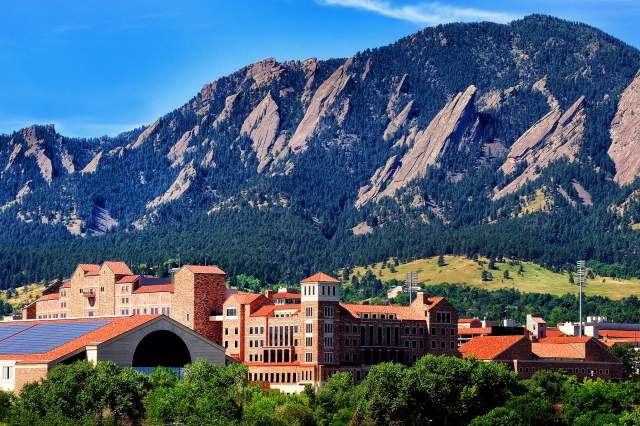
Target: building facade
287, 338
190, 296
312, 335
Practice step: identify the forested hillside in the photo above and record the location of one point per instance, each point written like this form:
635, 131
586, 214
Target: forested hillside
517, 140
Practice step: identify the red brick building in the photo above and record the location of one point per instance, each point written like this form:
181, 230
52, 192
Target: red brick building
287, 338
311, 335
579, 356
190, 296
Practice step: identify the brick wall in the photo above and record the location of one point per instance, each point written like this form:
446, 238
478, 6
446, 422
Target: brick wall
29, 373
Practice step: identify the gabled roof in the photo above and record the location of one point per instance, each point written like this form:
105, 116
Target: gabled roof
118, 267
199, 269
66, 284
320, 277
489, 347
474, 330
268, 310
154, 288
285, 295
50, 296
559, 350
244, 298
128, 279
89, 268
66, 336
401, 312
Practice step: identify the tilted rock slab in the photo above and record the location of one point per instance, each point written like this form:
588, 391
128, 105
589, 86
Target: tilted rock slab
556, 135
625, 135
454, 127
261, 126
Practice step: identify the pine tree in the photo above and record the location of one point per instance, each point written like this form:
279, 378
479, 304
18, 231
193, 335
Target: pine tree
441, 261
505, 274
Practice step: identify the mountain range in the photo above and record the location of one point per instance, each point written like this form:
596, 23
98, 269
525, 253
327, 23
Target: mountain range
517, 140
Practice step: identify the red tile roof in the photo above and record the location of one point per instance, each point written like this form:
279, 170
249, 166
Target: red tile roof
128, 279
154, 288
474, 330
467, 320
401, 312
118, 267
320, 277
199, 269
488, 347
285, 295
559, 350
50, 296
244, 298
268, 310
66, 284
114, 327
554, 332
89, 268
617, 334
564, 339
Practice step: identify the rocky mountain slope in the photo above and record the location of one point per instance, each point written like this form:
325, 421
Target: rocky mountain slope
455, 126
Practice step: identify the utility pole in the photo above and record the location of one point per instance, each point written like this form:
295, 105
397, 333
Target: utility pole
410, 280
581, 276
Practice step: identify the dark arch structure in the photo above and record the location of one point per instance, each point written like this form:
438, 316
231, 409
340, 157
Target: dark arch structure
161, 348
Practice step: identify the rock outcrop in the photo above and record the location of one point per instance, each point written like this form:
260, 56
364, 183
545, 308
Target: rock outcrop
179, 149
377, 182
36, 148
92, 166
555, 136
177, 188
625, 135
320, 105
452, 129
146, 133
261, 126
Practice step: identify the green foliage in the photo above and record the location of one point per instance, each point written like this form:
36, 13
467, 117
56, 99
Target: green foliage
82, 393
630, 359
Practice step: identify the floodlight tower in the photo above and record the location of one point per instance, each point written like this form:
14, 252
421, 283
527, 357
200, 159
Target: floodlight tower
410, 280
581, 276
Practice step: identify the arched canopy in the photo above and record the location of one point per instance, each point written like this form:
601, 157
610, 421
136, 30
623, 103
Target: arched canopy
161, 348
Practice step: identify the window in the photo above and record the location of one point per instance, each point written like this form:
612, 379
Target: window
328, 328
308, 357
308, 327
7, 372
328, 311
232, 312
443, 317
328, 342
236, 330
226, 331
101, 289
328, 357
433, 344
308, 341
309, 311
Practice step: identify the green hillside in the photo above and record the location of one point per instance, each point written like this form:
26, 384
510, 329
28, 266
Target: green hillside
532, 278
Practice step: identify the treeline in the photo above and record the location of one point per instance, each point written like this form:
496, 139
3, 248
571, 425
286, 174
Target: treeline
436, 390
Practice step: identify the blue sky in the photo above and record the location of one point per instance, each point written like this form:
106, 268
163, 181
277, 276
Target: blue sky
101, 67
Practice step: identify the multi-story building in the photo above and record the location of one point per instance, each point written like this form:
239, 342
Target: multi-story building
579, 356
312, 334
190, 296
287, 338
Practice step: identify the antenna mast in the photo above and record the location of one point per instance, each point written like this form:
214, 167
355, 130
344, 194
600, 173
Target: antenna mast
410, 280
581, 276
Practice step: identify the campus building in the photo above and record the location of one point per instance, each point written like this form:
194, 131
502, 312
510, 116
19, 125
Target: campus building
30, 348
289, 339
584, 357
190, 296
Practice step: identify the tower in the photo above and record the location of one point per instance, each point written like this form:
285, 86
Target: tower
320, 298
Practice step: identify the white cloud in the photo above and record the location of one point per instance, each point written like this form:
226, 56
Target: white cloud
431, 13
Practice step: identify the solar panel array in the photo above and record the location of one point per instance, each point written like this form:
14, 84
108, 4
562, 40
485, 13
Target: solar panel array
43, 337
9, 330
